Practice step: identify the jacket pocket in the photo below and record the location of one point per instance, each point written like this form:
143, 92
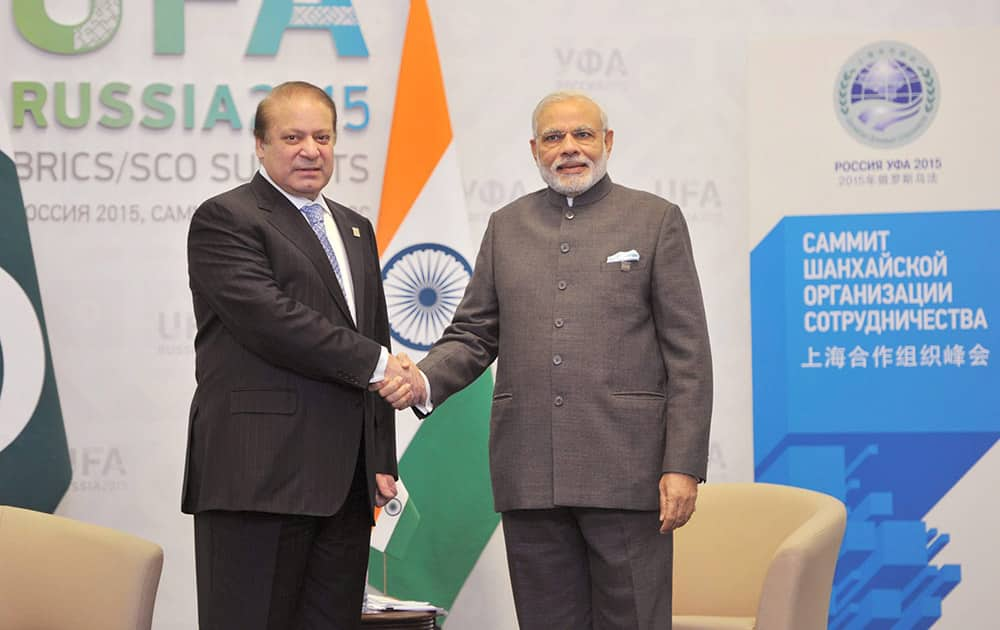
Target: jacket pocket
502, 396
269, 401
624, 267
641, 395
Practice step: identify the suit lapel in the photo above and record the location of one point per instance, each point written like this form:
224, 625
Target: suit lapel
287, 219
355, 247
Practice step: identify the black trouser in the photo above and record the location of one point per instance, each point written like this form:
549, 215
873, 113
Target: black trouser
588, 568
261, 571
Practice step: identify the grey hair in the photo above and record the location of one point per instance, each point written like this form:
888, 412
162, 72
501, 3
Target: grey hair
564, 95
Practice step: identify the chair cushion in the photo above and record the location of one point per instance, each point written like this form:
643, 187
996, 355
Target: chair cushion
700, 622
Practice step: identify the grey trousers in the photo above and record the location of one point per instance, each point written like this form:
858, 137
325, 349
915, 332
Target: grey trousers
589, 569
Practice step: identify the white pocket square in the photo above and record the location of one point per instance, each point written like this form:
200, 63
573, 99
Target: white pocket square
629, 256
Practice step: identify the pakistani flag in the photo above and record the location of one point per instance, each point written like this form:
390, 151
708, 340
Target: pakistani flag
423, 236
34, 461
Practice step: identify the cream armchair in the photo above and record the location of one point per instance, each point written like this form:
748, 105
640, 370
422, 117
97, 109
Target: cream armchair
757, 556
61, 574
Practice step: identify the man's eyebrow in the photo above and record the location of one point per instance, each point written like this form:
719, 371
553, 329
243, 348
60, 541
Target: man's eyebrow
557, 130
305, 132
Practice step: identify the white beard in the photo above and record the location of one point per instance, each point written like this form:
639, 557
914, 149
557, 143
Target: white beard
574, 184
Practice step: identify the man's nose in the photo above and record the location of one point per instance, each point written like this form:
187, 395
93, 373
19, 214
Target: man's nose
310, 148
568, 146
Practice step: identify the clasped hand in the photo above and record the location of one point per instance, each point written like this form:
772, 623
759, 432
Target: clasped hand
403, 385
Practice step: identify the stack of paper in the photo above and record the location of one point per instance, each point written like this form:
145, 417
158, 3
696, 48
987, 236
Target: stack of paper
375, 603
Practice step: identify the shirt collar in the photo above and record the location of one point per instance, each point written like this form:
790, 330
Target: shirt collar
298, 202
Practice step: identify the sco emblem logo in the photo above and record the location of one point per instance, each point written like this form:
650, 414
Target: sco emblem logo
886, 95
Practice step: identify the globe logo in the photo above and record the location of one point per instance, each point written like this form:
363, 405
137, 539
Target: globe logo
886, 95
423, 285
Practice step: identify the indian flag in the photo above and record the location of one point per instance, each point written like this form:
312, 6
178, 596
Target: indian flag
423, 239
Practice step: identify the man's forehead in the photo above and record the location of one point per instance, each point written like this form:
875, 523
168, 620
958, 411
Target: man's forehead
302, 112
298, 123
572, 112
298, 104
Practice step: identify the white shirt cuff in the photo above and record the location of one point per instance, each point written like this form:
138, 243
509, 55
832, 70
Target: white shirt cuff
428, 406
383, 362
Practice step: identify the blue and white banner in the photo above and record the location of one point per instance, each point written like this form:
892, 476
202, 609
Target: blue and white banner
874, 277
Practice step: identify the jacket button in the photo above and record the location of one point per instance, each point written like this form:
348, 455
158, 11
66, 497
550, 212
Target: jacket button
562, 285
559, 322
558, 401
557, 360
570, 215
564, 247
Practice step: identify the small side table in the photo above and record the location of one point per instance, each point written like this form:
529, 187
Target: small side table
400, 620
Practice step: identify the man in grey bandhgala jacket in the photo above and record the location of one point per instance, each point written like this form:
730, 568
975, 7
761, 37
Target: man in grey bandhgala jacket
586, 293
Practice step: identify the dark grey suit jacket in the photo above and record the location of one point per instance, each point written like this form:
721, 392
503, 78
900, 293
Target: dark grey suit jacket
604, 377
281, 405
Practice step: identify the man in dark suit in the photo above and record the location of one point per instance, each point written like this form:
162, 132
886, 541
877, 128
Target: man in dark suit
287, 448
586, 294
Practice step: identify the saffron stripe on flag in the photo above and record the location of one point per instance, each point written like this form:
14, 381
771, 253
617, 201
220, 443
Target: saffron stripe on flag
421, 127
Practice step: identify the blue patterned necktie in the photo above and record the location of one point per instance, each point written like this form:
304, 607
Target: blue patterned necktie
314, 212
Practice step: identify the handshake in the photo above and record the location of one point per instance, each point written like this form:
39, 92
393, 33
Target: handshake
403, 385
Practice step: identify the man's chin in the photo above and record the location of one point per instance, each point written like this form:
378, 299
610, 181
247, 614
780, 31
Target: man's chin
573, 184
311, 184
306, 190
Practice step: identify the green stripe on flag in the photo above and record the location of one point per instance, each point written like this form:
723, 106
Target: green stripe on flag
446, 470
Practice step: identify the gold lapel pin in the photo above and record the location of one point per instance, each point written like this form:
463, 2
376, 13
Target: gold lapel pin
356, 232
